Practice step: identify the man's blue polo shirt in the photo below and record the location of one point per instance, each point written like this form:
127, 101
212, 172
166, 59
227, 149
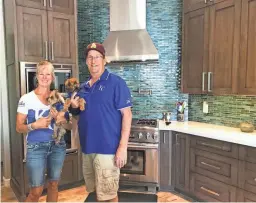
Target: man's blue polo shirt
100, 123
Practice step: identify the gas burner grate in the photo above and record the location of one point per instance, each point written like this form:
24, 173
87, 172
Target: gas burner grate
147, 122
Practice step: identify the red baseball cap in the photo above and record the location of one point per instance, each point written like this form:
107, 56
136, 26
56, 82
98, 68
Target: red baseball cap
97, 47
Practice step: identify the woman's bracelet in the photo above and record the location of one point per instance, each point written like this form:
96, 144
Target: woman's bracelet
30, 127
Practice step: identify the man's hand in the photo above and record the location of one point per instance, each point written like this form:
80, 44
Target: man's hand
74, 101
61, 118
121, 156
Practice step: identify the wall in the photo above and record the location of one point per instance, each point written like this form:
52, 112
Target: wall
163, 78
223, 110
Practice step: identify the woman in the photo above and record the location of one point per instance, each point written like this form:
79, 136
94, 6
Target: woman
43, 154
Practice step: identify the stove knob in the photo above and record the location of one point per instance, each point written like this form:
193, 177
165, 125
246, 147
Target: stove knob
140, 135
155, 136
148, 135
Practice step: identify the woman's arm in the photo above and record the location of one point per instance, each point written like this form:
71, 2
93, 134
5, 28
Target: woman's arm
22, 127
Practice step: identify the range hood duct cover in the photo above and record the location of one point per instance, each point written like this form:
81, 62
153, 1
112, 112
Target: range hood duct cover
128, 39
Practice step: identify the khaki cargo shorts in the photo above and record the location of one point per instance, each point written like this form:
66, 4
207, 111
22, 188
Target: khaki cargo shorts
101, 174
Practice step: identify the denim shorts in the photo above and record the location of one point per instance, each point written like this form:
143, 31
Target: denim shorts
44, 158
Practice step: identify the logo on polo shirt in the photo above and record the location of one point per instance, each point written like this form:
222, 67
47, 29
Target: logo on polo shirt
101, 87
21, 104
128, 101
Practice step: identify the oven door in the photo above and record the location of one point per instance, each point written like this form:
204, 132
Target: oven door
142, 163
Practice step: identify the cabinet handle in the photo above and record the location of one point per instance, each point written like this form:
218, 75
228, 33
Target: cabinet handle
46, 50
212, 166
52, 51
205, 1
203, 74
50, 3
164, 138
255, 179
209, 145
210, 191
177, 143
44, 3
211, 0
209, 81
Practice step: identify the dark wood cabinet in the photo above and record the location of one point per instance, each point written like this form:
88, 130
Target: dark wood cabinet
247, 176
244, 196
46, 35
40, 4
61, 35
247, 153
208, 189
191, 5
61, 6
70, 169
32, 37
181, 163
215, 146
221, 168
166, 152
224, 47
247, 71
214, 32
195, 51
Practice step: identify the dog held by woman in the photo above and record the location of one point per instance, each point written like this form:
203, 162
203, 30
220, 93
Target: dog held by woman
57, 102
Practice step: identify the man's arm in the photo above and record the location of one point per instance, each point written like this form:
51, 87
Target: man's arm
121, 154
126, 126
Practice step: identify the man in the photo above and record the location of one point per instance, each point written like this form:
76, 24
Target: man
104, 125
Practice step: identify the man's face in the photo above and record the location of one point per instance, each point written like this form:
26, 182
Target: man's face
95, 62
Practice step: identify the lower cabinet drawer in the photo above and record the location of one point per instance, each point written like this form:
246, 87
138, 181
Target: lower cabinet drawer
215, 146
244, 196
247, 176
207, 189
215, 166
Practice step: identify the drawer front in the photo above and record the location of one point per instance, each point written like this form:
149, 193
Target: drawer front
211, 190
244, 196
214, 166
215, 146
247, 153
247, 176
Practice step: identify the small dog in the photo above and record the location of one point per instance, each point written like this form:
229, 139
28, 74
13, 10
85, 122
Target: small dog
57, 102
72, 86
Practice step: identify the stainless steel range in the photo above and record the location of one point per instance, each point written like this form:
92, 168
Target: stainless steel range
143, 154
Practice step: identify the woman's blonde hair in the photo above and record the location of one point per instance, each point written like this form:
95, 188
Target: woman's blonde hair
45, 63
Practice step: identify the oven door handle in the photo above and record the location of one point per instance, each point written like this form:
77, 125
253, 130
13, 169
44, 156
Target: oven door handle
142, 146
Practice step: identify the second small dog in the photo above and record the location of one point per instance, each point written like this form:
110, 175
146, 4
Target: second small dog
72, 86
57, 102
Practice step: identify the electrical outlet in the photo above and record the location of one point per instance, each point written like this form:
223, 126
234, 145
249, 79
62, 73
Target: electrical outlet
205, 107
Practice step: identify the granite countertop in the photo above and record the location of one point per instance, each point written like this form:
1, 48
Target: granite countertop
217, 132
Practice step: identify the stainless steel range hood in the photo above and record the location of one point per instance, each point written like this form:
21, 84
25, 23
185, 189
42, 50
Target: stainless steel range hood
128, 39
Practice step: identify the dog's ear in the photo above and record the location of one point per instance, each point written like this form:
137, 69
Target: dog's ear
60, 98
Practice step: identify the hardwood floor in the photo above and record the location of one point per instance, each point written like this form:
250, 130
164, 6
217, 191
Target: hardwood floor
79, 194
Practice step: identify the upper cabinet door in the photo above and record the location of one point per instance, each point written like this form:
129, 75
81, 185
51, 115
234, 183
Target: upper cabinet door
61, 6
195, 51
191, 5
41, 4
32, 34
62, 44
247, 67
224, 47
